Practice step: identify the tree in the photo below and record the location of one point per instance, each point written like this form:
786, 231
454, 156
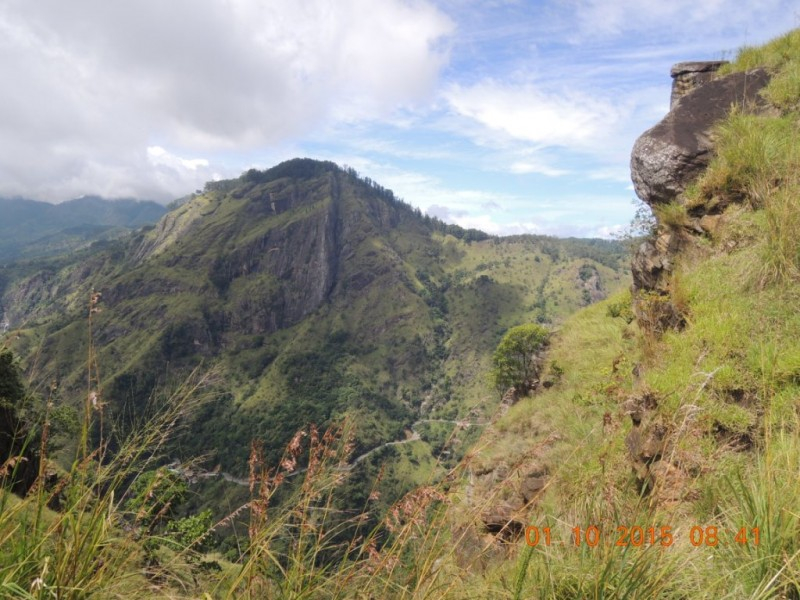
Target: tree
19, 462
154, 495
515, 360
192, 531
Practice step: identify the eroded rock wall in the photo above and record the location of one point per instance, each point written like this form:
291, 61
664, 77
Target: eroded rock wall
665, 160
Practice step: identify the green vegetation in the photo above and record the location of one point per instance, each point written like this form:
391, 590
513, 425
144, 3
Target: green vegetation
706, 415
780, 58
315, 294
515, 360
30, 229
69, 536
655, 460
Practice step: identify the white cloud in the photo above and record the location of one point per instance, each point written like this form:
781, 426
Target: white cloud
444, 213
159, 156
531, 128
498, 212
489, 225
90, 84
523, 112
609, 231
619, 174
617, 17
522, 167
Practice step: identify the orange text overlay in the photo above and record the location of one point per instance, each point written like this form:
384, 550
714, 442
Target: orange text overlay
662, 535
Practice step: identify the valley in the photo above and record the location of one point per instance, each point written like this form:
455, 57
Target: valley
293, 384
311, 295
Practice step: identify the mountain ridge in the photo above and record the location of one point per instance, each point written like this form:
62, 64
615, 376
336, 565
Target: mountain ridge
317, 292
32, 229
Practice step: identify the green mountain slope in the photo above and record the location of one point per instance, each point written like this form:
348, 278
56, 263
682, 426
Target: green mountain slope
663, 461
658, 459
313, 294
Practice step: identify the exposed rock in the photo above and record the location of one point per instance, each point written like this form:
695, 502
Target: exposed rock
647, 266
506, 519
664, 161
516, 489
653, 261
671, 483
510, 397
636, 407
667, 157
501, 521
591, 284
646, 440
532, 485
687, 76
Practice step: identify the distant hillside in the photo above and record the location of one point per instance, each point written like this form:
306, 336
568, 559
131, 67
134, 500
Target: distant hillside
659, 456
314, 293
31, 229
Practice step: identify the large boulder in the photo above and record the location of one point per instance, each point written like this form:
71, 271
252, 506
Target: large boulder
667, 157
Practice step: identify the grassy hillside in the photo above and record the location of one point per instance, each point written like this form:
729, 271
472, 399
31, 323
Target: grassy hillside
312, 296
652, 462
694, 428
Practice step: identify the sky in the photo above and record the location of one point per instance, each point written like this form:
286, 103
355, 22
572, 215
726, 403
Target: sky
512, 116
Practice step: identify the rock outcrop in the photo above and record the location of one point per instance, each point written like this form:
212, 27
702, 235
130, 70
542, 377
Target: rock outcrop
666, 158
664, 161
687, 76
645, 441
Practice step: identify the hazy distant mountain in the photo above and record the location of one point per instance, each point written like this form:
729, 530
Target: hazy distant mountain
32, 229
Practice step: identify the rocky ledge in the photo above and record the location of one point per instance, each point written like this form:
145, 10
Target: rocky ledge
664, 161
670, 155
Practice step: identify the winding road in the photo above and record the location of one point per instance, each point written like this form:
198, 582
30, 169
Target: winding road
176, 467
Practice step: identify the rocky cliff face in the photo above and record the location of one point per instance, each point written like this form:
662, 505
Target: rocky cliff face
664, 162
669, 156
666, 158
313, 293
688, 76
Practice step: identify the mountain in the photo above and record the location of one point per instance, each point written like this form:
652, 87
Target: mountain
31, 229
657, 456
312, 293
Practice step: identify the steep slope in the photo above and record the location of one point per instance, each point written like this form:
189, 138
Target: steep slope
658, 459
663, 458
313, 294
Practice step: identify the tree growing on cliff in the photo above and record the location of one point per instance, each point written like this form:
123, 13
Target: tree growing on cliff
515, 360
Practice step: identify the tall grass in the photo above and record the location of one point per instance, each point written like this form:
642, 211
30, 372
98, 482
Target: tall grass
305, 546
69, 536
77, 537
782, 57
87, 546
430, 544
757, 157
757, 162
754, 154
766, 497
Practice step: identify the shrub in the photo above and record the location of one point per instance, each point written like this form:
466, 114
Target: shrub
515, 361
